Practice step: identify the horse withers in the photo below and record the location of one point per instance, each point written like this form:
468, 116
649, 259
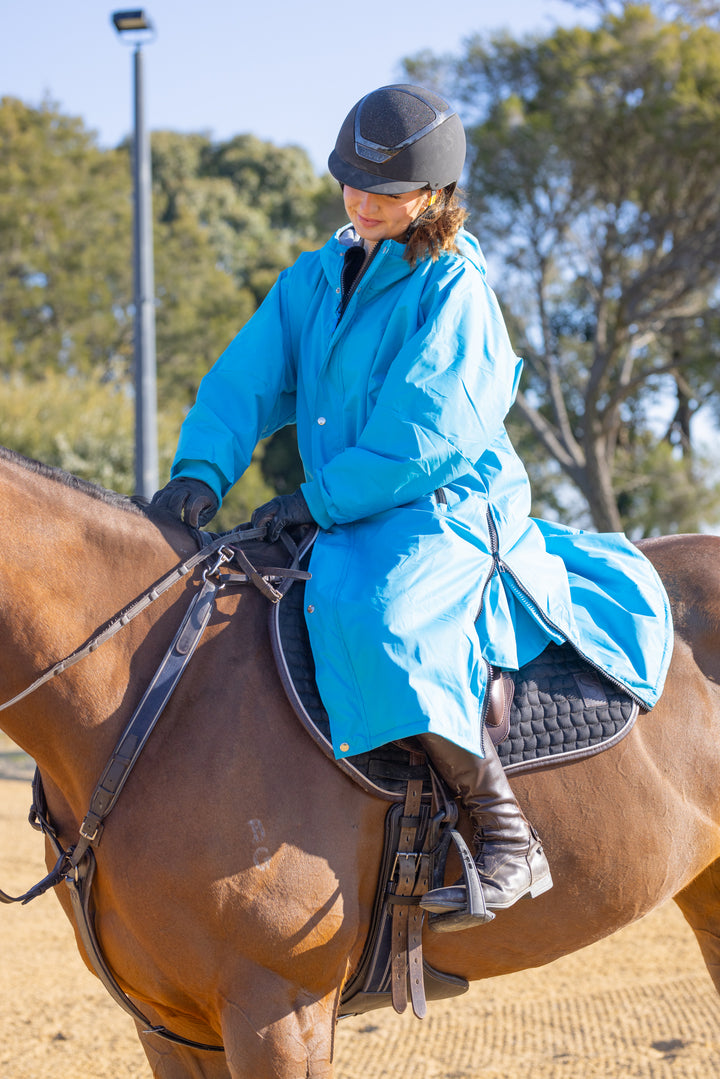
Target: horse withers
226, 904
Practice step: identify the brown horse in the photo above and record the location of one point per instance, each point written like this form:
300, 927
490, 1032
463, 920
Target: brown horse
237, 872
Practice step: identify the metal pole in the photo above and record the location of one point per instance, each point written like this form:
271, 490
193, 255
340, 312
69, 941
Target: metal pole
146, 453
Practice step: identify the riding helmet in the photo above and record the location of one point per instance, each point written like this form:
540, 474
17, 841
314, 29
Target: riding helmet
399, 138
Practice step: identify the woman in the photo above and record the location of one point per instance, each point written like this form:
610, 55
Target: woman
388, 349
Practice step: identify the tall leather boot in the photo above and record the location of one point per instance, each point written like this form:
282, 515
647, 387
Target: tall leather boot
509, 856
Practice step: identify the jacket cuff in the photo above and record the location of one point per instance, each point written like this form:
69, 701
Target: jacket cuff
313, 497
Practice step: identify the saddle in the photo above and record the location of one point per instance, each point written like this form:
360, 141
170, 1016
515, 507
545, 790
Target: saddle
555, 710
558, 708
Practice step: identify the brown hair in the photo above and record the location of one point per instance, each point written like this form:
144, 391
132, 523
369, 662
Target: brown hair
434, 231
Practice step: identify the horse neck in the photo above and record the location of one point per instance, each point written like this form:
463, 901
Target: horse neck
69, 562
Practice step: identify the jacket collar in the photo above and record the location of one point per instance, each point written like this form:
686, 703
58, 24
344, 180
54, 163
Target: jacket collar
389, 264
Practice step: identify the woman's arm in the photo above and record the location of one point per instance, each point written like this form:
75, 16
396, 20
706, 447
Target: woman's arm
247, 395
443, 403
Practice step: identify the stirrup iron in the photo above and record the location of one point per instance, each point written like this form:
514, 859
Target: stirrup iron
475, 911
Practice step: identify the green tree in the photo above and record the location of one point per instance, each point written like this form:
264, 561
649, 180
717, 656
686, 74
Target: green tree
593, 179
261, 205
228, 218
84, 423
64, 256
694, 12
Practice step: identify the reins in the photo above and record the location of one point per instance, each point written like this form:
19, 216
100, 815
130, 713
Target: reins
76, 865
216, 546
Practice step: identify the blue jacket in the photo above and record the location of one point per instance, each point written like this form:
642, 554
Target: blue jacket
428, 566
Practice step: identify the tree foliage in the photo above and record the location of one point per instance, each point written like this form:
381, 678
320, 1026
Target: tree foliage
593, 179
228, 218
64, 261
694, 12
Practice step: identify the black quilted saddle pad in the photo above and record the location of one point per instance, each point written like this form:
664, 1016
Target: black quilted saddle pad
563, 709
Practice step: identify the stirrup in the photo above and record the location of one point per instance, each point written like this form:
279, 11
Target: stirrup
475, 911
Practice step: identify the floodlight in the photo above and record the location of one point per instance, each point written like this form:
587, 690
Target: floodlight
131, 20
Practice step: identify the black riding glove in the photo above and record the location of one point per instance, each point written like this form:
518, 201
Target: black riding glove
191, 501
282, 511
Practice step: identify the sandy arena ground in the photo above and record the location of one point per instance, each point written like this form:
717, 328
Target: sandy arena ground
639, 1005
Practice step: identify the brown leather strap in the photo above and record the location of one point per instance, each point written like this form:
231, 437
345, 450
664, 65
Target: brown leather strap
412, 882
414, 931
500, 692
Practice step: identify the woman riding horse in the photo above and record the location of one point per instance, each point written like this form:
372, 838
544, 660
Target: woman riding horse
388, 350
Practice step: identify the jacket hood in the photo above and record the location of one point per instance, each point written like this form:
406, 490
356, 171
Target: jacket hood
469, 247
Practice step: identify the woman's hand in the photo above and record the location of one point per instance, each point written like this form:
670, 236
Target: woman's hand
282, 511
191, 501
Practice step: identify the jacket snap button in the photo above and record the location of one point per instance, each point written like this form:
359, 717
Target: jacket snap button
310, 609
344, 747
322, 421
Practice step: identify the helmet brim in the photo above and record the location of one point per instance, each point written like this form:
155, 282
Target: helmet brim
368, 181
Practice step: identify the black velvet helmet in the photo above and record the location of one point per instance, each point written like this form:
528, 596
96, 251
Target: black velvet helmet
397, 139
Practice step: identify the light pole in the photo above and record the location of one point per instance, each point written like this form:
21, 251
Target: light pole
139, 26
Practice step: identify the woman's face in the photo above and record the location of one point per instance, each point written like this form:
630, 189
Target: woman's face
383, 217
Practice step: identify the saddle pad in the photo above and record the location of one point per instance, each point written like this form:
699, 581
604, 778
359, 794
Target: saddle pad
563, 709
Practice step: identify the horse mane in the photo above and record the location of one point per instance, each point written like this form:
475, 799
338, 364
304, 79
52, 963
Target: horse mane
67, 479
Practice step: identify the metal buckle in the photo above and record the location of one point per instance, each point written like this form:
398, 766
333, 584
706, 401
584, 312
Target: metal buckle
85, 829
224, 555
413, 855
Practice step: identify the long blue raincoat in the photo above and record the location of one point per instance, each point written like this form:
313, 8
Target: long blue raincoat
427, 566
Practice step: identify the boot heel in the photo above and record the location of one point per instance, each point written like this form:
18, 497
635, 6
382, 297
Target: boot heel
539, 886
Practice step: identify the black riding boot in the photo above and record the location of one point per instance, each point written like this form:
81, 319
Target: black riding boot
509, 856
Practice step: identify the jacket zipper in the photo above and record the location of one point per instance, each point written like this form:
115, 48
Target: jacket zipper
502, 567
346, 298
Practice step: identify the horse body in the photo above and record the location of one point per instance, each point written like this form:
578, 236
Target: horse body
236, 874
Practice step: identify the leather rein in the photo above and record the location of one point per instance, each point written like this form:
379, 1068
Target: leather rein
76, 865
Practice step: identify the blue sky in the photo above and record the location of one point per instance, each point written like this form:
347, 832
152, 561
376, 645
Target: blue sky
288, 72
